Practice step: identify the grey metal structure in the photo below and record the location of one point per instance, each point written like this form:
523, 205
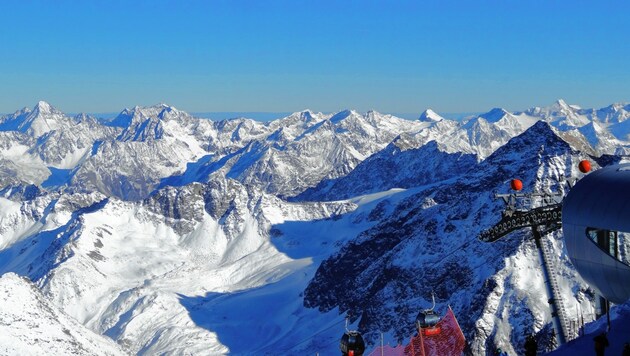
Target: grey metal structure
521, 212
596, 226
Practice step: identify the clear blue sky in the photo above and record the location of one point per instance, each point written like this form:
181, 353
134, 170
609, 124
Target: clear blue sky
265, 55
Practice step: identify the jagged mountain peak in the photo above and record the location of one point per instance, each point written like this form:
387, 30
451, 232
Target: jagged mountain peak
141, 113
541, 130
12, 122
376, 118
24, 110
369, 118
616, 107
538, 139
560, 103
82, 117
561, 114
375, 113
305, 112
598, 136
305, 116
431, 220
495, 114
146, 122
157, 110
342, 115
430, 116
44, 107
614, 113
558, 107
227, 181
562, 106
41, 119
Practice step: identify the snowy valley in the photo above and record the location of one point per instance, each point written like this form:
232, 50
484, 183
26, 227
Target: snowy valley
157, 232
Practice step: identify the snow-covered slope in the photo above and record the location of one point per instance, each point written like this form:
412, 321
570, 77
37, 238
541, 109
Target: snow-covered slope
480, 135
600, 126
122, 269
428, 243
42, 119
171, 234
145, 148
561, 114
291, 159
605, 129
618, 335
430, 116
41, 144
402, 164
30, 324
142, 148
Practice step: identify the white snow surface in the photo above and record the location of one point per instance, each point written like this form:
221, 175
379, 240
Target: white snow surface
145, 148
618, 334
173, 234
30, 324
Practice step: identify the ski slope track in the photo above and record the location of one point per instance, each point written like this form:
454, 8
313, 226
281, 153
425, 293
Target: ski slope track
156, 232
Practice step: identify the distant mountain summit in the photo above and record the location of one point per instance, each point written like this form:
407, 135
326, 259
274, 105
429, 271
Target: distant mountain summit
171, 234
495, 114
430, 116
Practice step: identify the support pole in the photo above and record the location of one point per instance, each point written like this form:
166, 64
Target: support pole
382, 344
554, 301
608, 315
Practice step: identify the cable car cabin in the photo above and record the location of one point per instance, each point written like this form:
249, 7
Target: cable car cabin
426, 322
352, 344
596, 227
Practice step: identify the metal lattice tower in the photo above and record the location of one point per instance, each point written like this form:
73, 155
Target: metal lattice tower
542, 219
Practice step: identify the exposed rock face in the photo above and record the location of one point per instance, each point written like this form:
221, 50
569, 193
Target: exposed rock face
400, 165
381, 276
172, 234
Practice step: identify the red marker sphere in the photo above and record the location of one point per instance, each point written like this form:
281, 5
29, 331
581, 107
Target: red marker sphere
516, 184
585, 166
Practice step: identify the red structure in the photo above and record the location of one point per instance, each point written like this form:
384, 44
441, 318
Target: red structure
449, 341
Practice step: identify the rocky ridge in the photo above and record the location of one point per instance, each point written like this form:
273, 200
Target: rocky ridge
160, 227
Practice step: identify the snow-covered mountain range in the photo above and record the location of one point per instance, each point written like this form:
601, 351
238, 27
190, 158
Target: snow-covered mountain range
172, 234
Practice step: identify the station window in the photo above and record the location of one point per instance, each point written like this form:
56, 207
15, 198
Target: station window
623, 240
614, 243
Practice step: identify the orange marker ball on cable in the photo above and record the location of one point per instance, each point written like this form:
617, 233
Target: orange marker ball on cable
516, 184
585, 166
